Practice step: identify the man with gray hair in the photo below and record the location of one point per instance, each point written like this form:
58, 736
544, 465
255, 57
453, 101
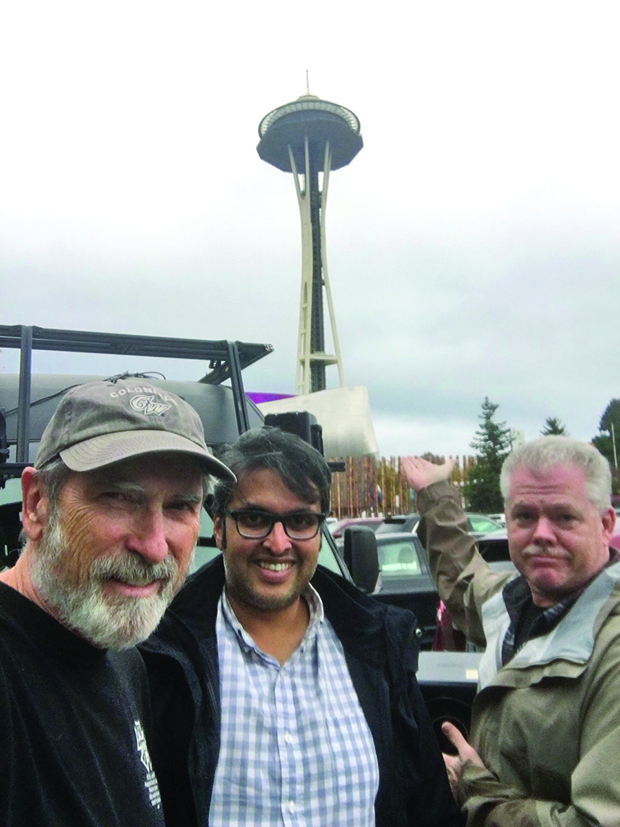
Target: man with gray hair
545, 736
111, 514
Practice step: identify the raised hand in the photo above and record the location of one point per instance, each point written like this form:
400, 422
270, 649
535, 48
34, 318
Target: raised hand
421, 473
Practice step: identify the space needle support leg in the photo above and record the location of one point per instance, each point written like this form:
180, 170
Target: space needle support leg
328, 292
302, 373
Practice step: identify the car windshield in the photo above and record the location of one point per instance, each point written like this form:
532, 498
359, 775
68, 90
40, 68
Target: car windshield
483, 525
398, 558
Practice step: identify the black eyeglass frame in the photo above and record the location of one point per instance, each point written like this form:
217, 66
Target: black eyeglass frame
274, 518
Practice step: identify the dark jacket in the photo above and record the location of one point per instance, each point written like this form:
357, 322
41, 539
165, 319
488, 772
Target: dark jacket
381, 654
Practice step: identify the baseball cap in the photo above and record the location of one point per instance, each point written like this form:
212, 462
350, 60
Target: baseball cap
100, 423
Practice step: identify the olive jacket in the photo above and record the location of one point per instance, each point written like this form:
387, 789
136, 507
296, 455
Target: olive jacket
547, 724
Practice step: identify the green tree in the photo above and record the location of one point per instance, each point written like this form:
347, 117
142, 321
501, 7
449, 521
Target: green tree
554, 427
492, 444
608, 439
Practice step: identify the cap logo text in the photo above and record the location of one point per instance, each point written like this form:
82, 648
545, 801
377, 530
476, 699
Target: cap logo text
147, 405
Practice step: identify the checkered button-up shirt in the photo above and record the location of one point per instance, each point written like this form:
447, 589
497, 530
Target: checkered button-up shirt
296, 749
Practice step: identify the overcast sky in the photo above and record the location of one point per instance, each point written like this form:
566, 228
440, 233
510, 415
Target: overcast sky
473, 244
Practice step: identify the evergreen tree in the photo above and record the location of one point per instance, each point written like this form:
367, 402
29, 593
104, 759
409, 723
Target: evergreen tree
492, 444
608, 439
553, 426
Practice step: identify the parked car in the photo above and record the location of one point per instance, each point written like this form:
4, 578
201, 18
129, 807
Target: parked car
499, 518
405, 580
477, 524
338, 528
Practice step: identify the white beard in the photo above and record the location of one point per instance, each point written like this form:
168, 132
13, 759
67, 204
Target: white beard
110, 622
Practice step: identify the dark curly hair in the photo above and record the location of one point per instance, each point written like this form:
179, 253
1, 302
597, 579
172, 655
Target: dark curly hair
301, 467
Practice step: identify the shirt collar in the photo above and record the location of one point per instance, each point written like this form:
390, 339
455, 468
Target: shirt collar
315, 609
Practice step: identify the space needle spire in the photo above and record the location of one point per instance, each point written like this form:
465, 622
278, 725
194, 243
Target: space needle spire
309, 138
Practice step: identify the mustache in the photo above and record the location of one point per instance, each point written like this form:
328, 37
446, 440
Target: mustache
134, 570
538, 551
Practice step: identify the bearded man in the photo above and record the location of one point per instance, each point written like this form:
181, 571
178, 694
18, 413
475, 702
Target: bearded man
111, 514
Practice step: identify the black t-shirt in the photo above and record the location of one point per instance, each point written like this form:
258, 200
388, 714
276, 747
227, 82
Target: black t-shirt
72, 727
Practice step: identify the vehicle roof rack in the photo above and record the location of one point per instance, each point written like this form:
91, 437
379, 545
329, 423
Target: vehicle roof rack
225, 360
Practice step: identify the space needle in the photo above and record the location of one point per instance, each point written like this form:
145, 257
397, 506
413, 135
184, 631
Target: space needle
309, 138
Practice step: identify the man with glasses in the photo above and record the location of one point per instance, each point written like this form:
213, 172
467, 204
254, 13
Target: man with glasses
282, 694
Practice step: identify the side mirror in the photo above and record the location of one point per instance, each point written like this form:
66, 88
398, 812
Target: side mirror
361, 557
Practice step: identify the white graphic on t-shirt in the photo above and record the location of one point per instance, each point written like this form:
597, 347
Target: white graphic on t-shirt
151, 781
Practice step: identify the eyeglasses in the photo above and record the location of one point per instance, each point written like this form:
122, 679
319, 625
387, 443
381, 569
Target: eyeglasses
256, 525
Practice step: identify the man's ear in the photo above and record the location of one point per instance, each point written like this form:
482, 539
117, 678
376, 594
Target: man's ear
35, 504
609, 521
219, 531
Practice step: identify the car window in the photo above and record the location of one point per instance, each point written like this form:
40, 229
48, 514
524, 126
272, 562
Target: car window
399, 558
494, 549
327, 556
206, 549
483, 524
12, 492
